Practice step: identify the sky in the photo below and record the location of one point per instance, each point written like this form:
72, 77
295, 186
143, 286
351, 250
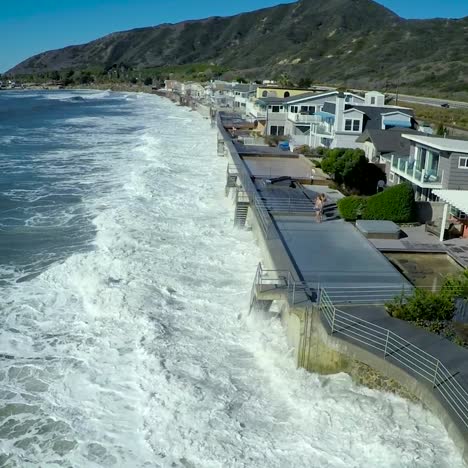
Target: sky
28, 27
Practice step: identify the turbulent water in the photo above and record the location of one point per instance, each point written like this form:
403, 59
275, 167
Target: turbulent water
123, 294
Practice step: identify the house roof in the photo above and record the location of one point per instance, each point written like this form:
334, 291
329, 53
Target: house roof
271, 100
388, 141
456, 198
244, 88
306, 96
373, 114
451, 145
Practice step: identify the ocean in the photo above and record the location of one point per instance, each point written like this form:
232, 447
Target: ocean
124, 291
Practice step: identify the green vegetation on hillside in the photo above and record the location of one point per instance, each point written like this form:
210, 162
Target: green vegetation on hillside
200, 72
352, 43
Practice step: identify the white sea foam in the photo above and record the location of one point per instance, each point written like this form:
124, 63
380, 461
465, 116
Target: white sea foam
134, 355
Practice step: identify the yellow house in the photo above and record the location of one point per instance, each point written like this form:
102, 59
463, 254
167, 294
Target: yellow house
276, 91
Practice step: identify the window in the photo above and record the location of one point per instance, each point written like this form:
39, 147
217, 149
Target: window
372, 101
275, 108
463, 162
352, 125
265, 94
391, 177
294, 109
307, 109
276, 130
287, 94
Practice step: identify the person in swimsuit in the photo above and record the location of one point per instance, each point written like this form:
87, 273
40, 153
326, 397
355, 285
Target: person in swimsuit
319, 203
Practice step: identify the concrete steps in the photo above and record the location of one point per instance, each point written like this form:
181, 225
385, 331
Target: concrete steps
240, 215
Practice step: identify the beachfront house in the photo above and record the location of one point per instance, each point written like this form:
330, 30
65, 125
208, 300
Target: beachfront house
347, 120
241, 94
302, 117
378, 143
431, 163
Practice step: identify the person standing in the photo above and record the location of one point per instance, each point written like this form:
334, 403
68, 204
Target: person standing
319, 203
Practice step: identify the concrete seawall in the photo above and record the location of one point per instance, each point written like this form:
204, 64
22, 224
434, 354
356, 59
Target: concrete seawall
316, 347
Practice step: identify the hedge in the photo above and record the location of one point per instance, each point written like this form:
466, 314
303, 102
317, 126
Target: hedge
393, 204
350, 207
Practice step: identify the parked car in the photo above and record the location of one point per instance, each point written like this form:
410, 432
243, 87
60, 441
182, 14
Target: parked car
445, 104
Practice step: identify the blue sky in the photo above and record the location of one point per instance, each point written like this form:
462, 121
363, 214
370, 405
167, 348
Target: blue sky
28, 27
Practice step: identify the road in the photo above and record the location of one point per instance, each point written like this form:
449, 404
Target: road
430, 101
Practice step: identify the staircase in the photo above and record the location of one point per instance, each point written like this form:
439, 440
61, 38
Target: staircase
240, 215
242, 207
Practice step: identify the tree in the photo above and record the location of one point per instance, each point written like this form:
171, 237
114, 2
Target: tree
55, 75
133, 80
148, 81
350, 167
85, 77
441, 130
304, 83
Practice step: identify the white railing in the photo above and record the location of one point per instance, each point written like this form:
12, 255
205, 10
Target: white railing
405, 355
306, 118
370, 295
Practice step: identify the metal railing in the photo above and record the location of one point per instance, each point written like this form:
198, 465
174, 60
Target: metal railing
280, 281
405, 355
248, 186
377, 339
367, 295
289, 205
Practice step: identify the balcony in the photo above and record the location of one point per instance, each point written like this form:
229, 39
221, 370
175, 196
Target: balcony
423, 177
304, 118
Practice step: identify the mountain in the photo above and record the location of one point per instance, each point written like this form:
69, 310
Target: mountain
352, 42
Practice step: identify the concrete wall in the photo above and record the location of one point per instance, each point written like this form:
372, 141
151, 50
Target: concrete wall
429, 211
324, 353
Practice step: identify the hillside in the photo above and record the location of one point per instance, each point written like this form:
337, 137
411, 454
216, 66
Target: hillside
351, 42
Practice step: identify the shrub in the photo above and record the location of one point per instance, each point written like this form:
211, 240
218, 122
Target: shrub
317, 163
305, 150
394, 204
352, 207
422, 305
